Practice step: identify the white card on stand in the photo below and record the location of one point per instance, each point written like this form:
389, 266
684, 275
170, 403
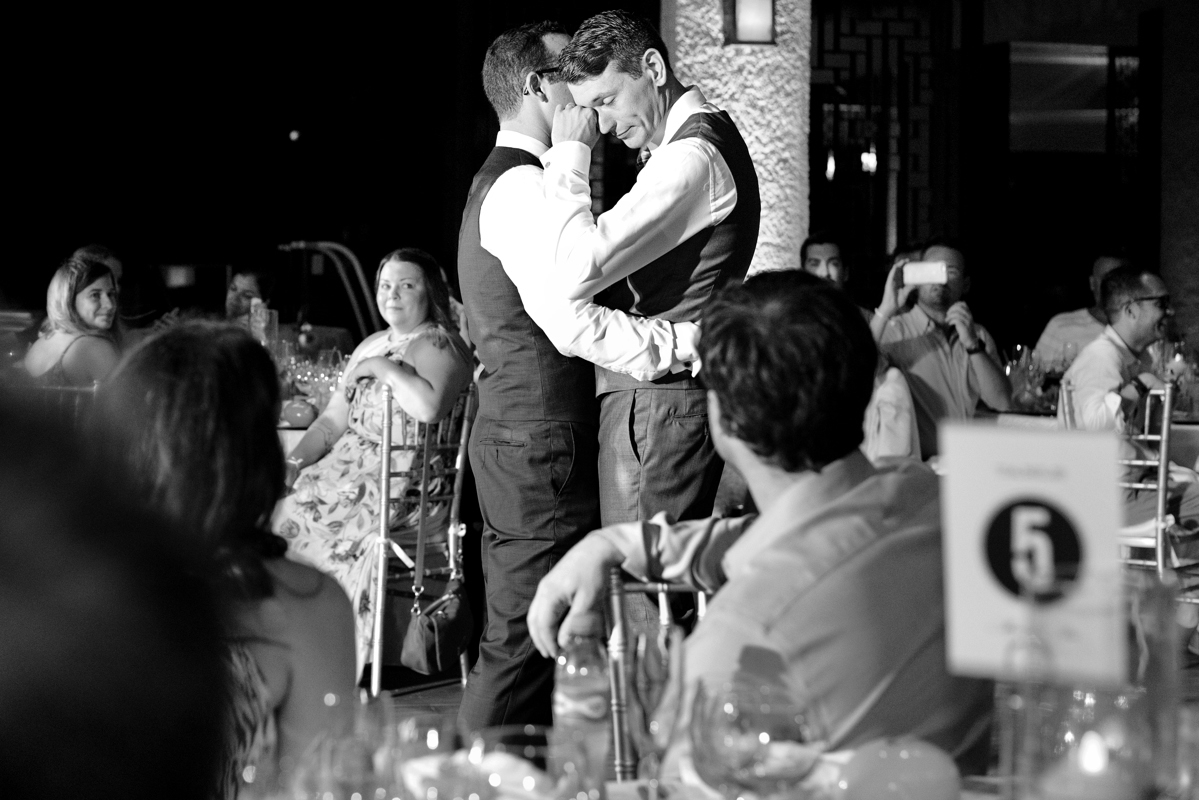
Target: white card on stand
1031, 565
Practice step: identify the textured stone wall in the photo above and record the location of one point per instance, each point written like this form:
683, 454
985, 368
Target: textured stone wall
1180, 163
766, 90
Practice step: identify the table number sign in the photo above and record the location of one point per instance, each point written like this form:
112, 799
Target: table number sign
1032, 577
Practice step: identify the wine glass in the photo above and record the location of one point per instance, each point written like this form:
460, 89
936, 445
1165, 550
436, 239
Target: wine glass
751, 739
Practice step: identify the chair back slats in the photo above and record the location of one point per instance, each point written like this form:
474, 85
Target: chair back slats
439, 451
1155, 434
619, 667
68, 406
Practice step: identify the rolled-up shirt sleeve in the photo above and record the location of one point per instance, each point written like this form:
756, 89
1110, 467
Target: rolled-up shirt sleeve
642, 347
684, 188
688, 552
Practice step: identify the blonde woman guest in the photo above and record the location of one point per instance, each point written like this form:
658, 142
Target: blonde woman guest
331, 518
77, 345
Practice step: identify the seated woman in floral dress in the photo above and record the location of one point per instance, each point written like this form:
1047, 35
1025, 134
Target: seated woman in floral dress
331, 518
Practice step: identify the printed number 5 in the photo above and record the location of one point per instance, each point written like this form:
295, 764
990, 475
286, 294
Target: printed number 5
1032, 549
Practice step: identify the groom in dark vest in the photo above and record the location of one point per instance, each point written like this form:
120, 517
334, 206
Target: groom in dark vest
687, 228
533, 448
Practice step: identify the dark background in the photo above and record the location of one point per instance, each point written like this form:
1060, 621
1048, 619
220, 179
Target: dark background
166, 138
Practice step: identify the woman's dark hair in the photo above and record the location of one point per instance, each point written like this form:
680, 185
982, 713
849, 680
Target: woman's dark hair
792, 362
435, 283
193, 413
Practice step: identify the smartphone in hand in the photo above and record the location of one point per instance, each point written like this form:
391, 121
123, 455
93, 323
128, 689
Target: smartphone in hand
916, 273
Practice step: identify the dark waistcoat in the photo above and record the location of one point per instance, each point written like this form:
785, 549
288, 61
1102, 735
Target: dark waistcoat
524, 376
676, 286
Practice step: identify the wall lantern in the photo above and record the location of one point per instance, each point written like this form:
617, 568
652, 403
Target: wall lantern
748, 21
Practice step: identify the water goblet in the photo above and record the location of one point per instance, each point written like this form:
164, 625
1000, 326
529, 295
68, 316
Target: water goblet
751, 740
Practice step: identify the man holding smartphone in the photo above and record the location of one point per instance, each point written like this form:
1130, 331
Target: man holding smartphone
951, 362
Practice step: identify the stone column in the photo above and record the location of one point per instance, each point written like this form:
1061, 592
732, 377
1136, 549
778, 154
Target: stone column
766, 90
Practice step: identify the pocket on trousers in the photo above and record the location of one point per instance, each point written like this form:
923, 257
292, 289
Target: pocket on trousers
492, 442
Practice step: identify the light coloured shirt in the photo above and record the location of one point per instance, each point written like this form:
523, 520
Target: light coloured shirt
1096, 376
1079, 328
835, 593
937, 366
638, 346
684, 188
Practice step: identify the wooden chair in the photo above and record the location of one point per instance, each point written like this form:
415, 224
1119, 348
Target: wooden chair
436, 477
619, 667
68, 406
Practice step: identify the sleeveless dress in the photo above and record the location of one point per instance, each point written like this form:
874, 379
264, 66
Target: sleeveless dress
331, 518
57, 374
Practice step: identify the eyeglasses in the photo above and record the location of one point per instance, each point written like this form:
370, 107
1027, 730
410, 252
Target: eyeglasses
1162, 301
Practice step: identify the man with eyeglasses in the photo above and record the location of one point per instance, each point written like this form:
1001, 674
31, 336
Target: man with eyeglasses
1113, 373
535, 440
1111, 377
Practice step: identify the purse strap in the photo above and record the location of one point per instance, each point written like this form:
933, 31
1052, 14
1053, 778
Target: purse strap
418, 571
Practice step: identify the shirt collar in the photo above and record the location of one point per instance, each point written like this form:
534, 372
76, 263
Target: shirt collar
520, 141
690, 103
1120, 344
799, 502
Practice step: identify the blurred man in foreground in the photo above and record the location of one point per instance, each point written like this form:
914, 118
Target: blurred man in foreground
833, 591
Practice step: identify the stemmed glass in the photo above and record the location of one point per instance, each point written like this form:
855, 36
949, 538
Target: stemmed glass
751, 740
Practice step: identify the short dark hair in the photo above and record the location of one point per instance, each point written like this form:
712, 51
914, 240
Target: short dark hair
264, 279
818, 237
1120, 286
610, 37
948, 242
192, 412
792, 362
435, 283
513, 55
113, 646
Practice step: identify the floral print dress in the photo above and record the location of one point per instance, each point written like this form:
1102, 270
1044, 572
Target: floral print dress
331, 518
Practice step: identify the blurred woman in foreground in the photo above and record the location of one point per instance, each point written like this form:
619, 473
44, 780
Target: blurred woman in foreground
193, 411
77, 344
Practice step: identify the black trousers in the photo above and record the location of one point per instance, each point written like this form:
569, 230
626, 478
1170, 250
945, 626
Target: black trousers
538, 494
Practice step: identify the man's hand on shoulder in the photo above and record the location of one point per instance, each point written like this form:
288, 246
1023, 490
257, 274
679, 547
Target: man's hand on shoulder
575, 124
568, 599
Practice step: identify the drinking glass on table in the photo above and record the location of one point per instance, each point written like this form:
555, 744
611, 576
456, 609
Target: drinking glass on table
751, 738
531, 760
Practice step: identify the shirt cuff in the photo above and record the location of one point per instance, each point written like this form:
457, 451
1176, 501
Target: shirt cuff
569, 155
686, 346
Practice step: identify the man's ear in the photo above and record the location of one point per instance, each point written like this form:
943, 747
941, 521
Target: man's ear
653, 63
533, 86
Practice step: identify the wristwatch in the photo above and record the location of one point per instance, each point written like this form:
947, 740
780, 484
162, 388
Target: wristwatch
1138, 384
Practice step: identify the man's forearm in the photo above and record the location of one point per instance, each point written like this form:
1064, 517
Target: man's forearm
993, 385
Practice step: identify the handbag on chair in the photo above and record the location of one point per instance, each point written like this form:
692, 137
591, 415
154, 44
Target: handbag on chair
439, 631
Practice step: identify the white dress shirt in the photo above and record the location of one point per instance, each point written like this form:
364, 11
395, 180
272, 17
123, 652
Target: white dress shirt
684, 188
1097, 374
508, 229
